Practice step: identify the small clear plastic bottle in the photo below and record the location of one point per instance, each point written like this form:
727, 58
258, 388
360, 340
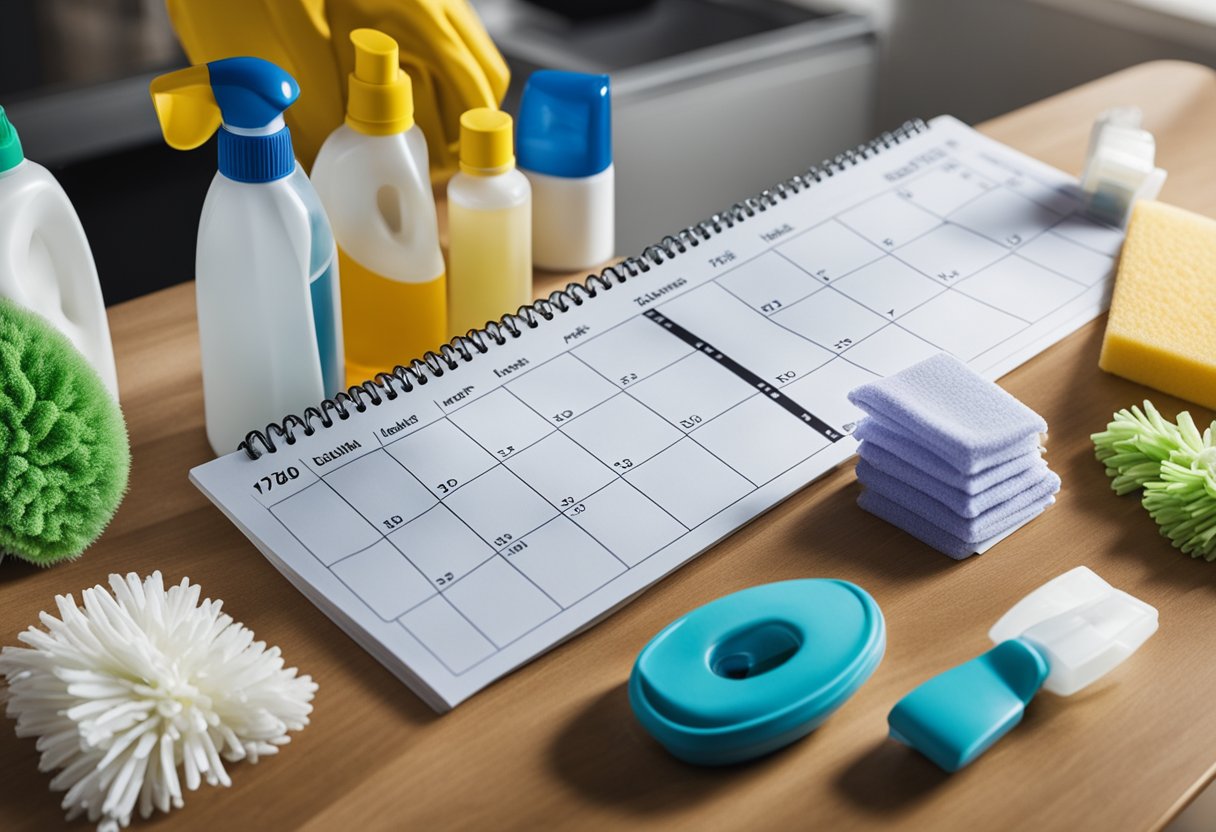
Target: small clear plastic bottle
489, 225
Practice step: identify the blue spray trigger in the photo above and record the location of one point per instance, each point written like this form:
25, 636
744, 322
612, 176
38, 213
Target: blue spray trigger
251, 92
957, 716
751, 672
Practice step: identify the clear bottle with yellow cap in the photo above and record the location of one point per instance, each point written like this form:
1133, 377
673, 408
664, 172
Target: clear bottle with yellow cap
373, 178
489, 225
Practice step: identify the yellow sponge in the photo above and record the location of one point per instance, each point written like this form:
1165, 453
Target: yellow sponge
1162, 328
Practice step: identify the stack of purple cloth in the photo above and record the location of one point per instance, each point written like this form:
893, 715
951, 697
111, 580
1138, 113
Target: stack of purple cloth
950, 457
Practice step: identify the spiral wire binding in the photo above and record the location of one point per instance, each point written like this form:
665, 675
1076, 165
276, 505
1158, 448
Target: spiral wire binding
464, 348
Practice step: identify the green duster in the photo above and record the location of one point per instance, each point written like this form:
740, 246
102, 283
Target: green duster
1175, 466
64, 456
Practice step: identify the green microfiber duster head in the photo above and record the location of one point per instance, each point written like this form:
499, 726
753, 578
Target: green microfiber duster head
1174, 464
64, 457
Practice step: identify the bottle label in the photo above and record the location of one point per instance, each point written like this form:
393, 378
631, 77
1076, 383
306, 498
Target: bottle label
389, 322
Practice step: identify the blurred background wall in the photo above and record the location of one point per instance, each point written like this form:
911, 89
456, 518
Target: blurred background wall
713, 99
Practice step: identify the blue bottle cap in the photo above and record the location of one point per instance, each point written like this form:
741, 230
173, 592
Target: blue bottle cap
756, 670
565, 124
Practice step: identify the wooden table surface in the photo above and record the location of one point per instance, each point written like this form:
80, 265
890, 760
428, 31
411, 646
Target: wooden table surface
554, 745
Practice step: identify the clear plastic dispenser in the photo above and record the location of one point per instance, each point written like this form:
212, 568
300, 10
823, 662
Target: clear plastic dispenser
489, 225
1064, 636
1120, 166
754, 671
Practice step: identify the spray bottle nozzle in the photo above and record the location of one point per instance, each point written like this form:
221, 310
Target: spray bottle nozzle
242, 94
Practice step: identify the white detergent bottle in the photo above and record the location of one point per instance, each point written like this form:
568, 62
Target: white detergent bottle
46, 264
373, 177
489, 225
269, 317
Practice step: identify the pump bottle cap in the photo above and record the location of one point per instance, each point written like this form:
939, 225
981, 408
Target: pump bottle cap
486, 148
381, 100
565, 124
10, 144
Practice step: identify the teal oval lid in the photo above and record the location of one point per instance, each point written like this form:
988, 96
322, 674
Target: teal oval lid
755, 670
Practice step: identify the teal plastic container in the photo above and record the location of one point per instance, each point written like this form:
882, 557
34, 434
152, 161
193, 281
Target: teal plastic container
958, 715
752, 672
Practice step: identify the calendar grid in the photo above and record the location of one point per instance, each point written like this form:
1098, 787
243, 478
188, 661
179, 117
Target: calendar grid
892, 252
617, 474
688, 435
474, 526
558, 512
497, 553
1023, 258
841, 355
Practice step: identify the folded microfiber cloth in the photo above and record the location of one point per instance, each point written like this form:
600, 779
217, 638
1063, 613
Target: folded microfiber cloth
955, 499
926, 532
989, 524
946, 407
877, 443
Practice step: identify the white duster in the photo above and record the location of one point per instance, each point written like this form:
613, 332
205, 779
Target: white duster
137, 684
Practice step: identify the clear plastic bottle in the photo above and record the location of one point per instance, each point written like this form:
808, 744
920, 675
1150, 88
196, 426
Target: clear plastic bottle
266, 277
372, 175
489, 225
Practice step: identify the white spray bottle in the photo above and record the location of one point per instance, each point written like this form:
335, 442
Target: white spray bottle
269, 317
45, 261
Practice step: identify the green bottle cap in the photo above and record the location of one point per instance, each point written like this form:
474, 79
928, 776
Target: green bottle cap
10, 144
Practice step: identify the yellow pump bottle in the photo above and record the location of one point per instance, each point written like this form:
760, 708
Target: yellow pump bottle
489, 225
373, 178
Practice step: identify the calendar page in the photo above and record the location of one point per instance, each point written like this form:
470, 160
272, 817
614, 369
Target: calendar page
471, 524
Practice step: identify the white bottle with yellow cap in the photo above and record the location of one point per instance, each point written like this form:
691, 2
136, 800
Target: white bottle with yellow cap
373, 178
489, 225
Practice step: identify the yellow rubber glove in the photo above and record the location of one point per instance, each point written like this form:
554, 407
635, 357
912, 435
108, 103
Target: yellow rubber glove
453, 64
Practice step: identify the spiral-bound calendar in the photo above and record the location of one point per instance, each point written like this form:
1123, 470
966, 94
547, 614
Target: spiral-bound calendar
463, 514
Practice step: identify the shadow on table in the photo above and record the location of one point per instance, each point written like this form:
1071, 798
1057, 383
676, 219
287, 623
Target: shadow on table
607, 757
890, 777
845, 540
16, 570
